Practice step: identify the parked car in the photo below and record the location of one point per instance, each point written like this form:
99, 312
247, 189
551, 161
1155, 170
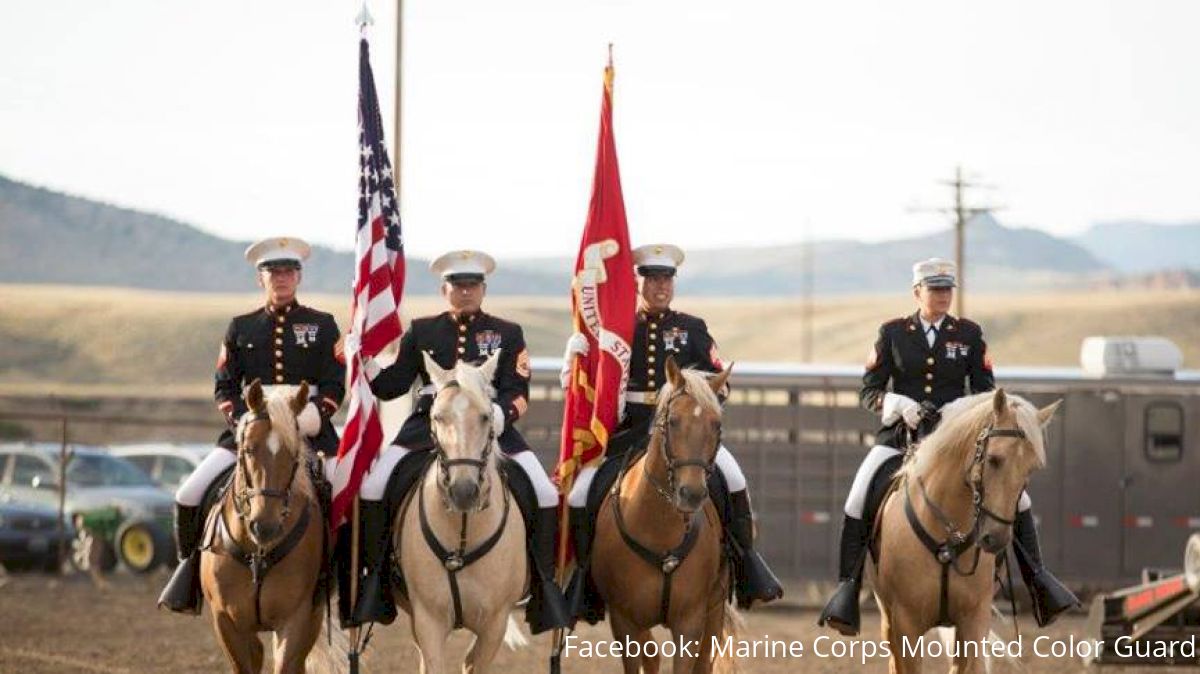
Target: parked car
137, 512
168, 464
30, 537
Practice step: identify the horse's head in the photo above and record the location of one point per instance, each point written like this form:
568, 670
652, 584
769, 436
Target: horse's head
688, 421
464, 430
269, 455
1008, 446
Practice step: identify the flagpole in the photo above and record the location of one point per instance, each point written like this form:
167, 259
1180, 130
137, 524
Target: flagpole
398, 102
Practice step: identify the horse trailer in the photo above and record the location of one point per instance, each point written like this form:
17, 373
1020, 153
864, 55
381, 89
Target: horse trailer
1119, 492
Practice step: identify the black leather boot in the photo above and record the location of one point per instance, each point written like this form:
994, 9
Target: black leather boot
547, 609
1050, 597
841, 613
376, 603
182, 593
754, 579
583, 600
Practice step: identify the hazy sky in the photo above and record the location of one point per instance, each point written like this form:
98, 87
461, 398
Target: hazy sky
737, 122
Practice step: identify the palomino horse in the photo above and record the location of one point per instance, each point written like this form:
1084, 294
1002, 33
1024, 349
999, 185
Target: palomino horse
657, 556
465, 536
264, 556
949, 514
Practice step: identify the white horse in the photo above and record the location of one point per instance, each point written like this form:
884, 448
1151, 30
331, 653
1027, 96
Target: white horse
464, 535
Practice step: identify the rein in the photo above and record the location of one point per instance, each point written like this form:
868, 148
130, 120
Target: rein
666, 562
948, 551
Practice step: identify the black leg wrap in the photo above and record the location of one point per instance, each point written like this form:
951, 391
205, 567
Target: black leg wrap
375, 604
583, 599
182, 593
755, 580
841, 613
1050, 597
547, 609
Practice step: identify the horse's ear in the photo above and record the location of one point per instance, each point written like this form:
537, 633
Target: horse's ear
437, 375
253, 395
717, 383
674, 376
300, 399
999, 403
488, 369
1045, 414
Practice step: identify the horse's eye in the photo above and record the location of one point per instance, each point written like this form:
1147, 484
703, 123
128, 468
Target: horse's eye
439, 419
483, 418
995, 461
674, 423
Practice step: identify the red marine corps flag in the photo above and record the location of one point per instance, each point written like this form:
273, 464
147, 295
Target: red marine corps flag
603, 306
378, 287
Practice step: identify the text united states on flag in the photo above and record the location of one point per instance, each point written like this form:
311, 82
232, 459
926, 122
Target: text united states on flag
378, 288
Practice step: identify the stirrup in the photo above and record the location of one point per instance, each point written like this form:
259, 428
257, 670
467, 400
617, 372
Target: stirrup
841, 613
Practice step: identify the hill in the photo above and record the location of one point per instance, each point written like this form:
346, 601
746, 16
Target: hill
50, 237
1135, 247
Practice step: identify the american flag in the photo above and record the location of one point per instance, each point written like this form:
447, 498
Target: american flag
378, 288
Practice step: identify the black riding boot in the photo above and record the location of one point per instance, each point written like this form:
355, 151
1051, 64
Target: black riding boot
182, 593
583, 600
1050, 597
375, 601
547, 609
754, 579
841, 613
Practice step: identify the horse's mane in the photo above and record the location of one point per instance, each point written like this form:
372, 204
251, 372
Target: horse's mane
283, 420
953, 442
695, 384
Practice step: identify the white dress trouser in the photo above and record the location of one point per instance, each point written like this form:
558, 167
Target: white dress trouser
735, 479
856, 501
375, 482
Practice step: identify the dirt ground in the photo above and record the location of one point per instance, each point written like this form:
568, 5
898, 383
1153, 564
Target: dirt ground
68, 626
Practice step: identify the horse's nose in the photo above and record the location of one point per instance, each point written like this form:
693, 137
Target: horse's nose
691, 497
464, 493
264, 531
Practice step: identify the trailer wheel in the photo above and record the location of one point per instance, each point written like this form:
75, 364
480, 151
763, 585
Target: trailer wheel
1191, 562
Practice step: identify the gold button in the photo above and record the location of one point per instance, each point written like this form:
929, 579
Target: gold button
652, 348
278, 379
929, 375
651, 384
278, 353
278, 331
462, 338
653, 336
654, 326
929, 389
462, 327
462, 349
650, 359
278, 366
279, 319
278, 342
929, 361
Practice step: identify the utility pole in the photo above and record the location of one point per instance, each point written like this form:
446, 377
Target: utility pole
962, 213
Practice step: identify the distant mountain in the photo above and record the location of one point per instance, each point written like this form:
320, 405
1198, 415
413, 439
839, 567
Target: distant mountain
50, 237
1134, 247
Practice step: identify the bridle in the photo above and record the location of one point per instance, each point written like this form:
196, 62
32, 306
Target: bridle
663, 424
948, 551
243, 494
445, 463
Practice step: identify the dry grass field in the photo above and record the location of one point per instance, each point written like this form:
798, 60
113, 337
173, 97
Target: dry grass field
108, 340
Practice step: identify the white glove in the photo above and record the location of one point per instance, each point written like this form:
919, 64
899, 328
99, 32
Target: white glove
577, 344
371, 369
352, 343
497, 419
309, 420
896, 406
